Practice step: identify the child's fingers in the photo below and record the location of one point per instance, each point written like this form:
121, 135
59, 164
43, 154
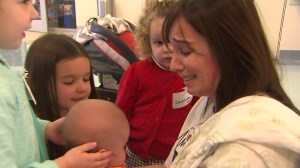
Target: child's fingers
103, 150
102, 159
102, 163
106, 154
87, 146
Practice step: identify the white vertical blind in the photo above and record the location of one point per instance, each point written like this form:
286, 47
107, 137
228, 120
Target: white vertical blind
272, 15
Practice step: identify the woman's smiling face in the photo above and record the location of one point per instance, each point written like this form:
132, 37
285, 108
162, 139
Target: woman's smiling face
194, 60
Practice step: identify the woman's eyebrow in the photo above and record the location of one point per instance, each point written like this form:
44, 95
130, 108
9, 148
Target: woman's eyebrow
178, 40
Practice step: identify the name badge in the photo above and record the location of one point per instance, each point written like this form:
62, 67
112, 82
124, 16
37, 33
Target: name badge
181, 99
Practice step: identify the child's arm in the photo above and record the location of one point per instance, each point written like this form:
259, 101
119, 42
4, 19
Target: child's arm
53, 132
79, 157
128, 90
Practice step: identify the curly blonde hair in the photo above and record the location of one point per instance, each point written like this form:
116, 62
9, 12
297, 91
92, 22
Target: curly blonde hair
153, 9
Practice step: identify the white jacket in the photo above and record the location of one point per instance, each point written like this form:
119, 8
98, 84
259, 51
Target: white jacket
252, 132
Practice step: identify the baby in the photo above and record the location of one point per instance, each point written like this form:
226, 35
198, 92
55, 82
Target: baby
100, 121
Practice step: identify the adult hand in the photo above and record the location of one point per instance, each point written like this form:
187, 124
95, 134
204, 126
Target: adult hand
53, 132
79, 157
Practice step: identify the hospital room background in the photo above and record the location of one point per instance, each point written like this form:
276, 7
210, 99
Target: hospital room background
281, 19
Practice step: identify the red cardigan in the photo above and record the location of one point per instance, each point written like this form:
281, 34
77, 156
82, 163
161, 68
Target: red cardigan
145, 95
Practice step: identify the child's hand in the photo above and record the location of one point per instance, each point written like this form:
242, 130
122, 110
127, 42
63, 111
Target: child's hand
53, 132
79, 157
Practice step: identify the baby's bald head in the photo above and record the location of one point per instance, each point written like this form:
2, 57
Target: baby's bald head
96, 120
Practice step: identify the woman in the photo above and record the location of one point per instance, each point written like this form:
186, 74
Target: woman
246, 120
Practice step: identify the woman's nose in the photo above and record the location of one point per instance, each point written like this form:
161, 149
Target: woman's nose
176, 64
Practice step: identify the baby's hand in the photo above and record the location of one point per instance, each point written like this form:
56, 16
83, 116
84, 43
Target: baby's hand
79, 157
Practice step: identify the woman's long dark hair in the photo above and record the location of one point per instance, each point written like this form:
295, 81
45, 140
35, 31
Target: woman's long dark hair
236, 36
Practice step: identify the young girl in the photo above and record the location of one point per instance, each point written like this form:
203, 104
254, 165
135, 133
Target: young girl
59, 75
153, 97
22, 134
